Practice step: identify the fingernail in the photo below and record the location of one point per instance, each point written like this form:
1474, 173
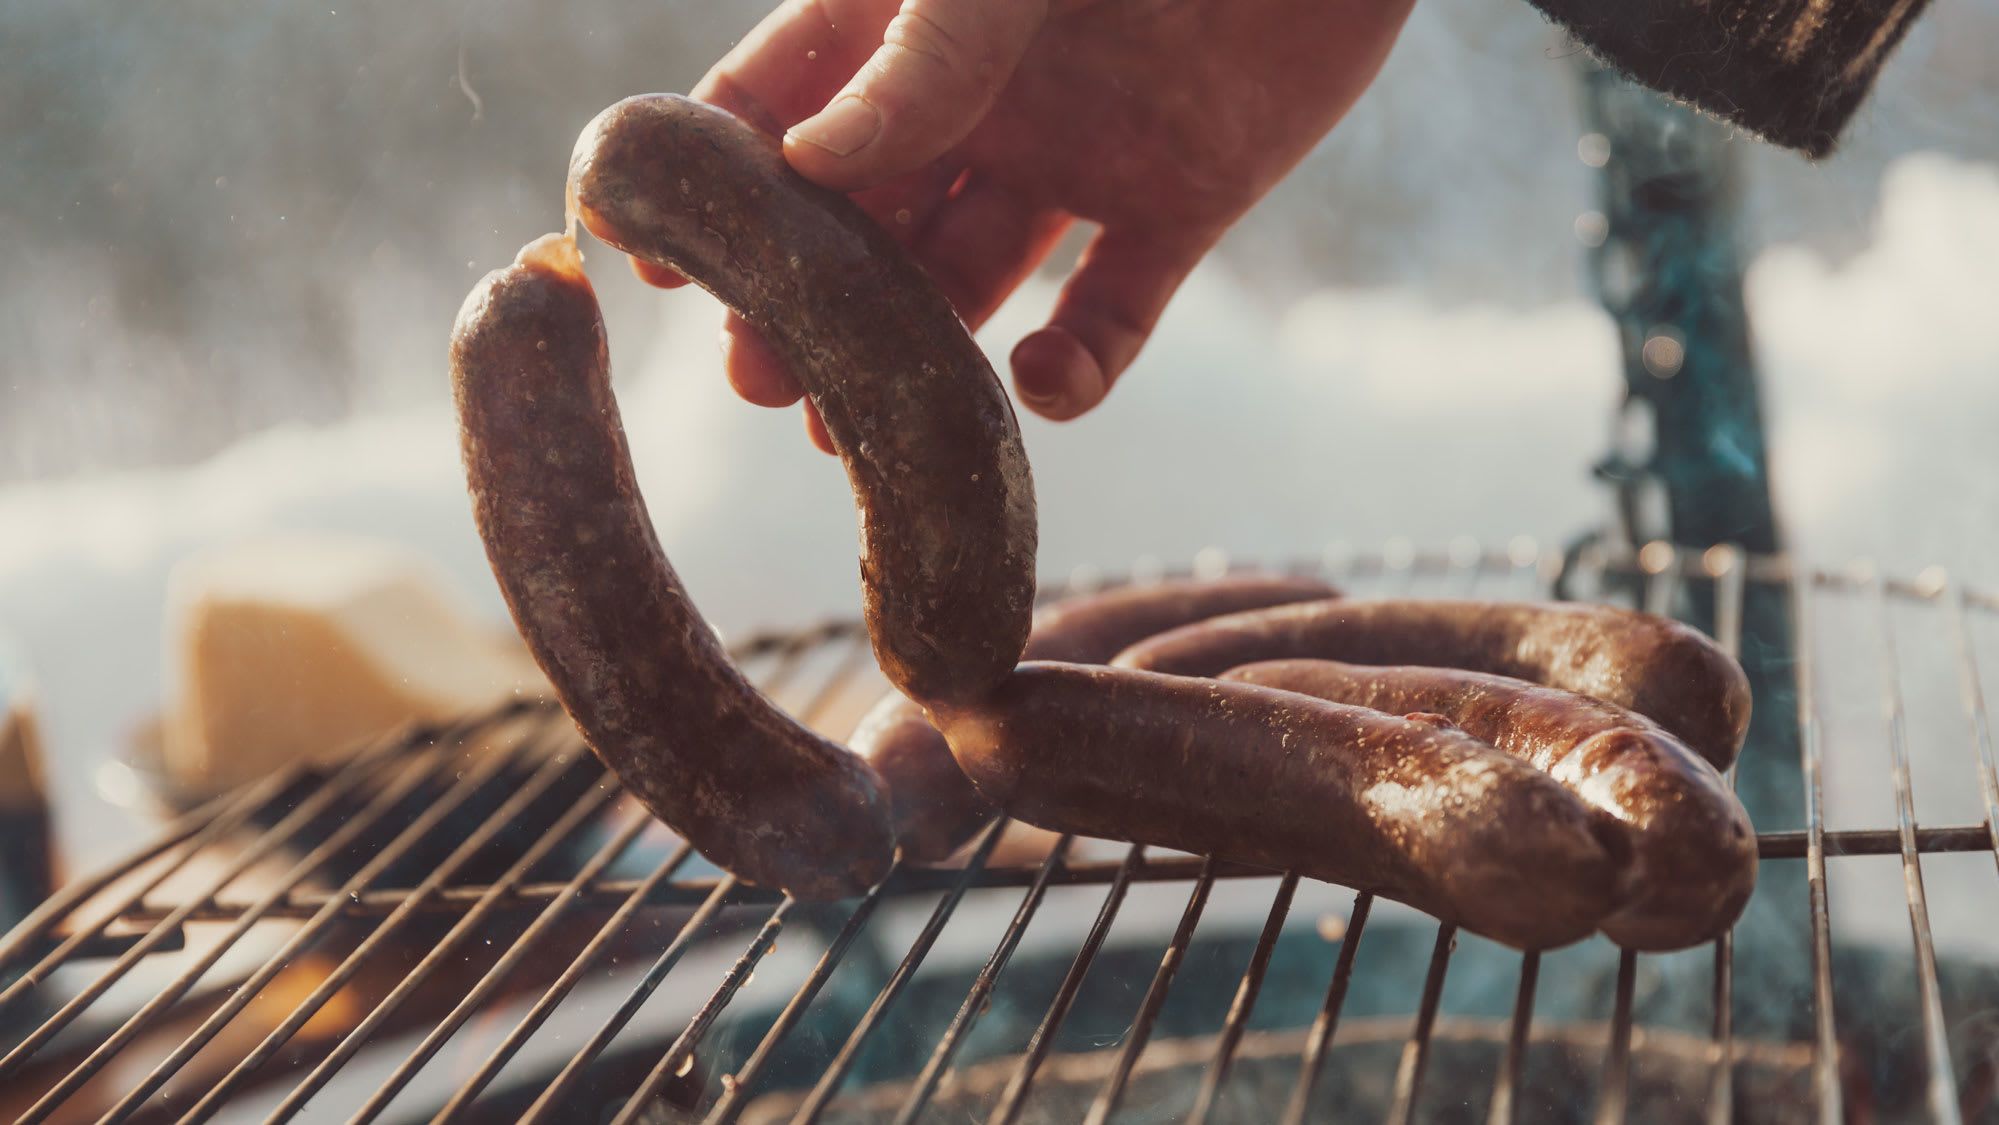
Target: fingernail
1040, 370
843, 128
1040, 384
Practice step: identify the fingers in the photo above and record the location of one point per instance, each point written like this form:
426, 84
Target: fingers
903, 206
1103, 317
788, 66
815, 429
940, 65
754, 370
656, 275
982, 243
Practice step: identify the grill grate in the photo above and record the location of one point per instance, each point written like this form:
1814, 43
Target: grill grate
446, 925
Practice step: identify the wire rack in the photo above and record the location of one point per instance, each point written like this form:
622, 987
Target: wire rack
473, 922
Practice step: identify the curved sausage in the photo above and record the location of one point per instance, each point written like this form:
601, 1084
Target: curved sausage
1692, 851
928, 436
1653, 665
1429, 816
1093, 629
935, 809
631, 659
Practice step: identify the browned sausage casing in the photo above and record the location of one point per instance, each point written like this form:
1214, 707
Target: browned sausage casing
1095, 628
633, 662
1653, 665
928, 437
1692, 851
1429, 816
935, 809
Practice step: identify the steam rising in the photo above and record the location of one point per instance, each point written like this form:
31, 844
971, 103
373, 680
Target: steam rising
237, 231
228, 214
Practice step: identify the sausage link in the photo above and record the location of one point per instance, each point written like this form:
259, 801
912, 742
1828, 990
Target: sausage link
1692, 851
935, 809
632, 660
1093, 629
1428, 816
1653, 665
927, 434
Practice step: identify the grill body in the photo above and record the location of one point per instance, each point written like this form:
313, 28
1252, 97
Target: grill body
475, 923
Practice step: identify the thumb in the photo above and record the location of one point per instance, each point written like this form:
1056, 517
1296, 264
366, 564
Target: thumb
939, 68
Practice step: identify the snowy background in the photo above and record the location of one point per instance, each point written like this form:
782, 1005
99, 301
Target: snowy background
237, 232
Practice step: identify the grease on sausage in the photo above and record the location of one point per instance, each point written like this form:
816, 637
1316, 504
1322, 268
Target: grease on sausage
1692, 851
935, 809
927, 435
1652, 665
1428, 816
642, 674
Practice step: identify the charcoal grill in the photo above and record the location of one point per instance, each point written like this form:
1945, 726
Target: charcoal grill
475, 922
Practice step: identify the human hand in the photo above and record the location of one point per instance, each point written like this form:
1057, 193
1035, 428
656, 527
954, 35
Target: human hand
975, 131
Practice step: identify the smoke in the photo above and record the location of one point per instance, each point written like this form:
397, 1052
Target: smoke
1271, 431
237, 231
231, 214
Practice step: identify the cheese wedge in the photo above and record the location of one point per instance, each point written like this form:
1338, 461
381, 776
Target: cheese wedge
304, 647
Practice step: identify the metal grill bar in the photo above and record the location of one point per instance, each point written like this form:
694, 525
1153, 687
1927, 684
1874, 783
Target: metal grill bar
69, 930
1140, 1031
790, 660
1505, 1108
855, 660
1015, 1095
538, 785
1936, 1043
1244, 1002
305, 813
475, 778
585, 959
681, 1053
968, 1012
1401, 559
1462, 566
663, 964
737, 1086
267, 842
578, 815
1416, 1052
230, 820
1825, 1060
1725, 564
892, 988
1789, 844
1612, 1102
1981, 723
884, 998
32, 931
517, 952
1328, 1021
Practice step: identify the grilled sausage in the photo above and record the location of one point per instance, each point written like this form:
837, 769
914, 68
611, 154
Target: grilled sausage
1429, 816
928, 436
1093, 629
631, 659
935, 809
1692, 852
1655, 666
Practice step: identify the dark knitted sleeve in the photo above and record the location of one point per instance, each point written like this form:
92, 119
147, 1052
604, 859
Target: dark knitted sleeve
1792, 71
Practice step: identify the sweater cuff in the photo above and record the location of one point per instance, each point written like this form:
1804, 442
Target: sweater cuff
1791, 71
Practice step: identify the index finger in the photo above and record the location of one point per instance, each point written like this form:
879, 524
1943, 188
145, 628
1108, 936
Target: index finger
783, 71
